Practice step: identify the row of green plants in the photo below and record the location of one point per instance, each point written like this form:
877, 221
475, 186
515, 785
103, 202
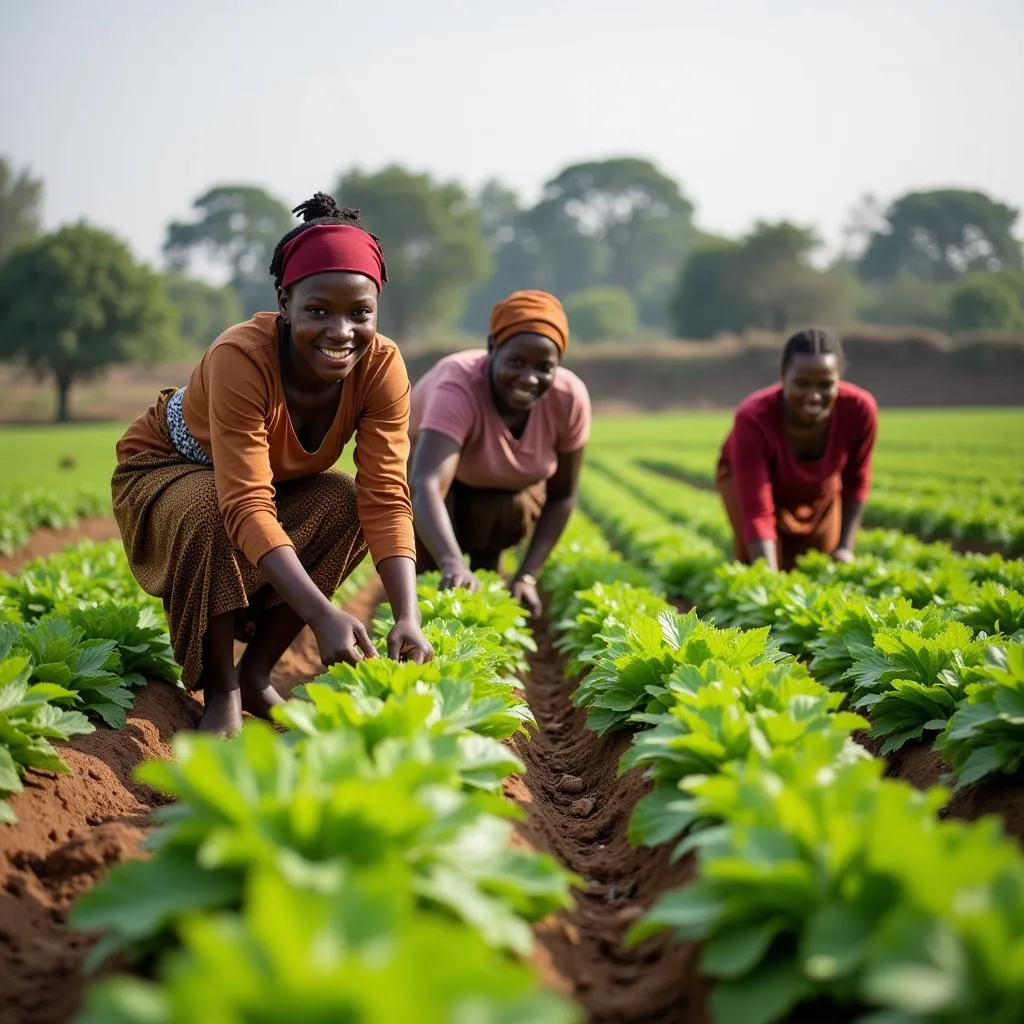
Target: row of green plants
916, 639
77, 639
681, 530
22, 512
356, 863
988, 511
806, 890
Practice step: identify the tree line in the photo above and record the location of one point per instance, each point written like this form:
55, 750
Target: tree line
615, 239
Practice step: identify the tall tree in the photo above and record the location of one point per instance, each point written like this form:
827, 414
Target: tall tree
74, 302
985, 301
433, 243
941, 236
864, 220
506, 236
20, 198
636, 220
236, 227
907, 301
709, 295
766, 281
204, 310
778, 277
602, 314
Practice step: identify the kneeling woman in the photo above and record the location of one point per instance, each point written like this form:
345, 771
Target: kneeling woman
795, 471
224, 491
498, 441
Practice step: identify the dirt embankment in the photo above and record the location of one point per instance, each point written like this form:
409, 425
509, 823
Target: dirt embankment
900, 367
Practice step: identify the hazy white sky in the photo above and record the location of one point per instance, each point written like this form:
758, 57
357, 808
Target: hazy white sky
760, 108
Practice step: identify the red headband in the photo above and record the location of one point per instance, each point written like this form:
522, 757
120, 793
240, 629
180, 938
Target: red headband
326, 247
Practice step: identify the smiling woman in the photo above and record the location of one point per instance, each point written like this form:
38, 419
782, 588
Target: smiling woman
498, 439
225, 492
795, 470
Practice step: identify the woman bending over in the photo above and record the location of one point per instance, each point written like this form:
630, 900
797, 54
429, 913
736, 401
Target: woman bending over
498, 438
225, 493
795, 471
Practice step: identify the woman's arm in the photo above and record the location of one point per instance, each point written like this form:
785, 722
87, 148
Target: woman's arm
431, 475
766, 549
406, 640
339, 636
754, 488
853, 513
562, 493
856, 479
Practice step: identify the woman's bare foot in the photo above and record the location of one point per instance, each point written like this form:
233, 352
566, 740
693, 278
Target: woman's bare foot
222, 714
258, 696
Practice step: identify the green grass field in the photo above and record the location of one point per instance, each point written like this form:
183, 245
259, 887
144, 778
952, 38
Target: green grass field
940, 439
944, 439
955, 474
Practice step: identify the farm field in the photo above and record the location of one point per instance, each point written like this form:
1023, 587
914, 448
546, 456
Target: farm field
692, 791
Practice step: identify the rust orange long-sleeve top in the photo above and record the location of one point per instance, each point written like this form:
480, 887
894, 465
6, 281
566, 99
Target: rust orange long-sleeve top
758, 456
235, 409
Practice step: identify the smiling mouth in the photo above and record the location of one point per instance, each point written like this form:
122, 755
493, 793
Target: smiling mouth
523, 394
336, 355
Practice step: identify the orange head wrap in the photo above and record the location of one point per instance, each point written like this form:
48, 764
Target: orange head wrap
530, 312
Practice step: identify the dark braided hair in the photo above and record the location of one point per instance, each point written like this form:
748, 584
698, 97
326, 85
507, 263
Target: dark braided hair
321, 209
814, 341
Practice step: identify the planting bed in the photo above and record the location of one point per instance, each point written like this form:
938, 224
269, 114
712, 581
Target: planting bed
769, 722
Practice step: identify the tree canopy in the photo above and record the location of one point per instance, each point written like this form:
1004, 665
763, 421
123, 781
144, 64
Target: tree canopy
236, 228
75, 302
614, 239
433, 242
21, 196
766, 280
985, 300
941, 236
204, 310
602, 314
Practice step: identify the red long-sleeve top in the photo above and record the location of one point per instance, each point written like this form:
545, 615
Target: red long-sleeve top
768, 476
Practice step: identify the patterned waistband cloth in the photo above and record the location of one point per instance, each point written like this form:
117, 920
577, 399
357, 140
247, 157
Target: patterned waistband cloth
185, 444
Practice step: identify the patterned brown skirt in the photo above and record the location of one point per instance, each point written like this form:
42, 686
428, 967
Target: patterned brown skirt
167, 512
809, 528
487, 522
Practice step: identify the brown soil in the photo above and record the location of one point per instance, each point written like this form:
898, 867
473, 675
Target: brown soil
922, 766
578, 809
72, 828
46, 542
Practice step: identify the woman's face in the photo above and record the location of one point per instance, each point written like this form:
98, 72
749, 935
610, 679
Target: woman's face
810, 384
333, 320
523, 370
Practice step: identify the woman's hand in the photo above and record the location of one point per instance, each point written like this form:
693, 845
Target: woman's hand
457, 574
844, 555
406, 642
341, 637
524, 590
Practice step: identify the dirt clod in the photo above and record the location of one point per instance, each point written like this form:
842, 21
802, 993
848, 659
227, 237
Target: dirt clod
582, 808
571, 784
